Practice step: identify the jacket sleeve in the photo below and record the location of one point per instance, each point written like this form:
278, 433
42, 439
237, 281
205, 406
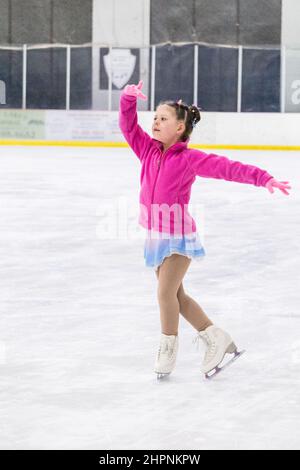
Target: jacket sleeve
138, 139
216, 166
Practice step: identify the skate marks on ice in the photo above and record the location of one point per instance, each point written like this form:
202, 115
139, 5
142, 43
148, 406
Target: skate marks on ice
209, 375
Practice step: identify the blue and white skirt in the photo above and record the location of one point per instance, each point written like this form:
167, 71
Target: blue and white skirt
159, 246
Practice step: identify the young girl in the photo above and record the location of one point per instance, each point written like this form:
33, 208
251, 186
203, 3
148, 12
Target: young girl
168, 171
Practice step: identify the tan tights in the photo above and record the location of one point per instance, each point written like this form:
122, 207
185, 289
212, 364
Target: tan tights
172, 298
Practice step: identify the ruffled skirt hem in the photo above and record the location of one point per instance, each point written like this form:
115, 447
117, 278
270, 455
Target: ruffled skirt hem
156, 249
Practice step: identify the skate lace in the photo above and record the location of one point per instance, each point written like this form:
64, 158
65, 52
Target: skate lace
211, 345
166, 349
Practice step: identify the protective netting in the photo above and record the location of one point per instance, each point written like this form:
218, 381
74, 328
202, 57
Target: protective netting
91, 76
230, 22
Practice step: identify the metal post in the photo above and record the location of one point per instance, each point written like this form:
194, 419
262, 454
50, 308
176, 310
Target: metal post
196, 49
240, 78
110, 80
153, 78
283, 78
68, 75
24, 76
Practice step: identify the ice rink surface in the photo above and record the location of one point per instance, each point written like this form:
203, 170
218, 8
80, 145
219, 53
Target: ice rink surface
79, 323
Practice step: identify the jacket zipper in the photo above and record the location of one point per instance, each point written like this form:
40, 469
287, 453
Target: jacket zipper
158, 164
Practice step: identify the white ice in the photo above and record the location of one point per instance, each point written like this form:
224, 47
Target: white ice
79, 325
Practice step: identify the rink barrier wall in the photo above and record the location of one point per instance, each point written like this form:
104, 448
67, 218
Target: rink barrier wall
240, 131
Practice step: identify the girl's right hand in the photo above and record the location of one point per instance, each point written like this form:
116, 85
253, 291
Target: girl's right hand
135, 90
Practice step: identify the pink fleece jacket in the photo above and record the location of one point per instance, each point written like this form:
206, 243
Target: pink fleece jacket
167, 177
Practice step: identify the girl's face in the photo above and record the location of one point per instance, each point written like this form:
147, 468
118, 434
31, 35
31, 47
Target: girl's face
166, 128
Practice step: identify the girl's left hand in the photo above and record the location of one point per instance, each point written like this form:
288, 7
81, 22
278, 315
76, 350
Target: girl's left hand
282, 185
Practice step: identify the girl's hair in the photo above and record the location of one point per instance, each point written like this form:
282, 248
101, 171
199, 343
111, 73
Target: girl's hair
190, 115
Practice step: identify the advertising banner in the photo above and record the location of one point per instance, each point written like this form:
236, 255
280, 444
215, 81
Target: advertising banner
18, 124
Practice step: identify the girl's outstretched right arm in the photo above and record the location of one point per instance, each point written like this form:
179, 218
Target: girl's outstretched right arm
133, 133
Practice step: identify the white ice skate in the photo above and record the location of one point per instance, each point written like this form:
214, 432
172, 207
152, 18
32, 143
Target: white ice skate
218, 343
166, 356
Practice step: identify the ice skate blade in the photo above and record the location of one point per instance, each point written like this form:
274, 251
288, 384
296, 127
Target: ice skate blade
218, 369
161, 376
